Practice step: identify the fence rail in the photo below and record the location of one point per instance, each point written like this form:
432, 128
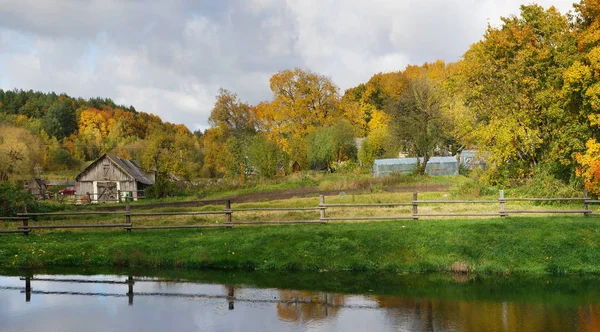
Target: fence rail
323, 209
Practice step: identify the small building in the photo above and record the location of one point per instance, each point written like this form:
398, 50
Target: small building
109, 176
435, 166
37, 187
472, 159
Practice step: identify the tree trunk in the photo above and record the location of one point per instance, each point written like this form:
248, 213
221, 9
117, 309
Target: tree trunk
422, 166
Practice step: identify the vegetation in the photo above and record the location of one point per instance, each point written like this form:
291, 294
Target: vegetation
42, 133
551, 245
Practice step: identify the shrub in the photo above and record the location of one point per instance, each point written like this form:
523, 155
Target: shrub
543, 184
12, 200
472, 189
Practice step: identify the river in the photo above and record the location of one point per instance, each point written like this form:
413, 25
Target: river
84, 300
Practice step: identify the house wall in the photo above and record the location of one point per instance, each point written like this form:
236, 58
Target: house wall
104, 171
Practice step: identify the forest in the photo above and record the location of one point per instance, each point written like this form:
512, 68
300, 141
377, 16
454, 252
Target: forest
526, 97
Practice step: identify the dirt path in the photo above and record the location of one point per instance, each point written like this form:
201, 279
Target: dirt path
283, 194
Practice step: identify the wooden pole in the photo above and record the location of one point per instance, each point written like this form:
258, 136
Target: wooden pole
415, 205
27, 289
585, 203
26, 230
119, 196
228, 212
322, 206
128, 214
502, 204
230, 296
130, 283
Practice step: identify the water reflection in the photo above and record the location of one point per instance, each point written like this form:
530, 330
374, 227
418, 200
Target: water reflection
100, 302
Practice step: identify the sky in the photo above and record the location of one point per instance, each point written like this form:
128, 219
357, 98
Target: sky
171, 57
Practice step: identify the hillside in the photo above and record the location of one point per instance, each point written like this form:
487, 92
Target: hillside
45, 133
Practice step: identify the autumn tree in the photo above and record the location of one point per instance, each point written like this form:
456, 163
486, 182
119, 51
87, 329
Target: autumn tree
20, 153
418, 121
233, 125
512, 83
232, 116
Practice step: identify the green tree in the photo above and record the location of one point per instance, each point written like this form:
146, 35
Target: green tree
265, 157
418, 121
376, 145
60, 120
331, 144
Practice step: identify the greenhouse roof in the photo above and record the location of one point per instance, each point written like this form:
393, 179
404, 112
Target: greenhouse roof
410, 161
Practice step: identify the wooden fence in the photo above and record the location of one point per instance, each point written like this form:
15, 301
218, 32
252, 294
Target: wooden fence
228, 212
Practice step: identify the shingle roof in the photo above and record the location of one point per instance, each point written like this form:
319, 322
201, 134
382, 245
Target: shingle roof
128, 166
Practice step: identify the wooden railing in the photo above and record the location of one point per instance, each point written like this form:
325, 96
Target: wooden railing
28, 220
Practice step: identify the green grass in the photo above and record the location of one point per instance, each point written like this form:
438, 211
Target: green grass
530, 245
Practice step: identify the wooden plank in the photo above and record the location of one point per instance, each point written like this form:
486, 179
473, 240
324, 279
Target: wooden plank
13, 218
592, 201
366, 205
496, 214
457, 201
371, 218
177, 213
180, 226
78, 281
73, 226
12, 231
542, 199
278, 209
67, 214
280, 222
545, 211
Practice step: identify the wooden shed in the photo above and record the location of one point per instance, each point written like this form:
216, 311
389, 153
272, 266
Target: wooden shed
37, 187
108, 176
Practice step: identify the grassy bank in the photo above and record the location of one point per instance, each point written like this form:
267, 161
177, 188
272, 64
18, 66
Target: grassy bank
556, 245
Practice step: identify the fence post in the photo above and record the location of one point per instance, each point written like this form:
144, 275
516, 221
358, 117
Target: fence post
322, 206
26, 230
119, 196
128, 214
415, 204
130, 283
230, 296
502, 203
227, 212
27, 289
585, 203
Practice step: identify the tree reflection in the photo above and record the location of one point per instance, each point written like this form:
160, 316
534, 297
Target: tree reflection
301, 306
468, 316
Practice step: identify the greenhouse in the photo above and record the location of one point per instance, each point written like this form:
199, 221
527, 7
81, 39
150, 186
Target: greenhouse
435, 166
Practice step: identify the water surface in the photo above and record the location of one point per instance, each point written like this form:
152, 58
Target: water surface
242, 301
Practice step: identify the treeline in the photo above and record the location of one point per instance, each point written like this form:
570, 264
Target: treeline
527, 97
48, 132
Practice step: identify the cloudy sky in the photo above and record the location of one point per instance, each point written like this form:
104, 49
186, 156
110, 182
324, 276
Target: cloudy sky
170, 57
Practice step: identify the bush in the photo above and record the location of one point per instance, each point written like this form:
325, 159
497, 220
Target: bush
163, 187
12, 200
472, 189
344, 167
543, 184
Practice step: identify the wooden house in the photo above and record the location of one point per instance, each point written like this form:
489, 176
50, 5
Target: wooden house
37, 187
110, 176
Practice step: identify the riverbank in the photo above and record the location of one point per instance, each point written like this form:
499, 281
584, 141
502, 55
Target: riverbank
530, 245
